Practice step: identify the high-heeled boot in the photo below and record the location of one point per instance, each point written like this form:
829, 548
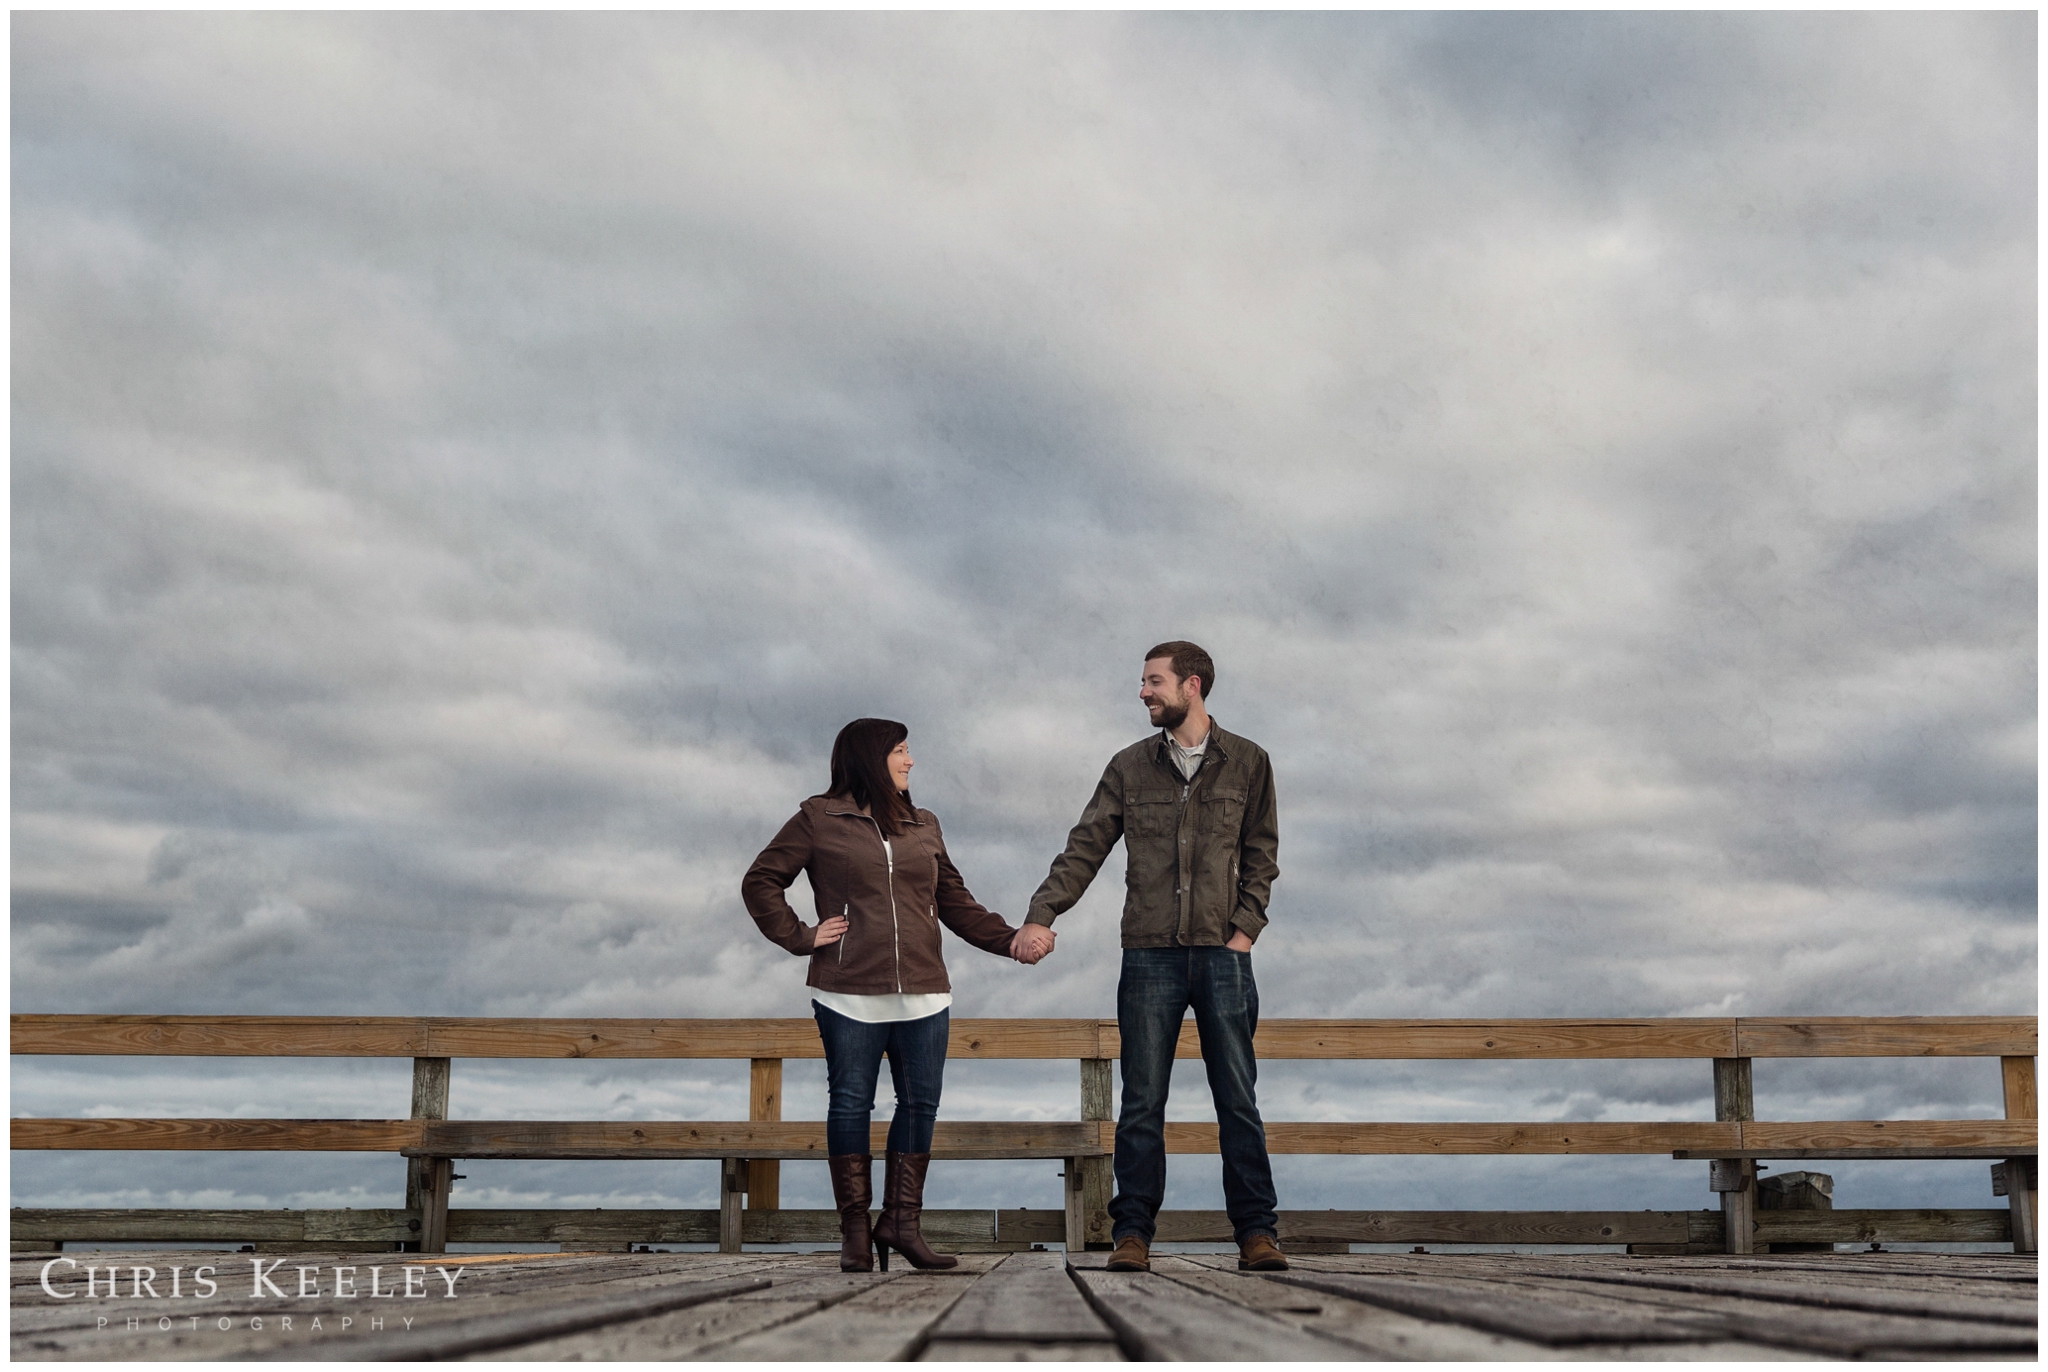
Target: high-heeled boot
852, 1191
902, 1204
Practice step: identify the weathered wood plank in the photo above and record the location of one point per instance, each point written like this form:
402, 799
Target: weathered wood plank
1375, 1332
1028, 1298
1883, 1226
1888, 1036
744, 1138
702, 1330
886, 1323
416, 1036
1098, 1185
1866, 1296
1498, 1039
1993, 1138
1440, 1226
1160, 1320
764, 1102
1599, 1136
1501, 1311
450, 1037
978, 1227
984, 1350
239, 1135
1830, 1330
1562, 1312
1001, 1139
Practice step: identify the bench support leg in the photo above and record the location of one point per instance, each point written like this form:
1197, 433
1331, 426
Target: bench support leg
1734, 1099
732, 1191
429, 1102
1077, 1220
437, 1178
764, 1175
2022, 1179
1096, 1177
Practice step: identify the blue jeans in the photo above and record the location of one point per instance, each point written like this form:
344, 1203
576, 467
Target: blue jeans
1157, 988
916, 1049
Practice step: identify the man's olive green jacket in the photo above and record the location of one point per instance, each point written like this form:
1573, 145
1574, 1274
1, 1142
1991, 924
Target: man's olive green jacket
1201, 856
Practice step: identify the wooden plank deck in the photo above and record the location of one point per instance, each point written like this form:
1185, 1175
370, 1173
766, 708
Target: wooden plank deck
1031, 1306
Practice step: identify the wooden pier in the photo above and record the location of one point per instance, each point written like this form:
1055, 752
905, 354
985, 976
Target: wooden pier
1028, 1306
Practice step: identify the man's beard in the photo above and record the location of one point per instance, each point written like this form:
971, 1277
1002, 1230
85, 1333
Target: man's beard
1171, 717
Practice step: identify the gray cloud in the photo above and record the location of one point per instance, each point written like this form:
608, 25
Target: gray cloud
467, 467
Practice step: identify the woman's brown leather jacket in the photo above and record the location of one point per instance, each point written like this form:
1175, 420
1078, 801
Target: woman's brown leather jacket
894, 898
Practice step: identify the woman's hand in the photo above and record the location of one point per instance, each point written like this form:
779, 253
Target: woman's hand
830, 932
1031, 943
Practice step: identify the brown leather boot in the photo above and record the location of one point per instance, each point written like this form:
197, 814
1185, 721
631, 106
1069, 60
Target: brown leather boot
1260, 1254
902, 1203
852, 1190
1132, 1254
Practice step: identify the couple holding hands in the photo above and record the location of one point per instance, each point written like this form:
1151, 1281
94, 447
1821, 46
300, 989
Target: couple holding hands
1195, 808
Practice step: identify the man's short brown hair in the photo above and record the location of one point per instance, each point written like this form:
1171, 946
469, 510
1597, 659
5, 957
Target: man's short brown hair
1188, 660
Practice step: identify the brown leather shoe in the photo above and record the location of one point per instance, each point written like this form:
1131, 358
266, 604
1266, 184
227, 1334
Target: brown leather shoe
1132, 1254
1260, 1254
852, 1176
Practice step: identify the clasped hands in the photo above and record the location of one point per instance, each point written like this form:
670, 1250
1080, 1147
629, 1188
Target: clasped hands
1031, 943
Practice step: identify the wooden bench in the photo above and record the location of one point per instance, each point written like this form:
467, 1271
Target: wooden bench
750, 1151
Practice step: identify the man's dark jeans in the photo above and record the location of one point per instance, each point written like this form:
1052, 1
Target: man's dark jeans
1157, 988
916, 1049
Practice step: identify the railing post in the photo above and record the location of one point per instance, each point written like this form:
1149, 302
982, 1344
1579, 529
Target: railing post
2022, 1176
732, 1189
1734, 1099
1096, 1104
426, 1188
764, 1104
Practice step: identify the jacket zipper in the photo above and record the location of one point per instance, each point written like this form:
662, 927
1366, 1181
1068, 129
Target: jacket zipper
895, 933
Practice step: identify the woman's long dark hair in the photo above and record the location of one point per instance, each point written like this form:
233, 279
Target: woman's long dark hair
860, 771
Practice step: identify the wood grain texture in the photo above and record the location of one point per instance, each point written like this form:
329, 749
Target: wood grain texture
425, 1036
1378, 1334
885, 1323
1996, 1138
496, 1332
1030, 1299
239, 1135
1883, 1226
1874, 1298
1602, 1136
764, 1102
745, 1138
1888, 1036
988, 1350
2016, 1076
1440, 1226
1159, 1320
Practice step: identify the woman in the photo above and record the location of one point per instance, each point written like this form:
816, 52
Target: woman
884, 885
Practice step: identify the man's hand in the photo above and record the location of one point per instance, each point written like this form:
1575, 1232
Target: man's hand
830, 932
1031, 943
1240, 941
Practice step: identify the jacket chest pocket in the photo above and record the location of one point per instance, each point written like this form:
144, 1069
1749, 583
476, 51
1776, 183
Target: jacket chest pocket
1222, 810
1152, 814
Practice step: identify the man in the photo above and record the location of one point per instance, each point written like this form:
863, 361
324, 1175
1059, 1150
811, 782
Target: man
1194, 806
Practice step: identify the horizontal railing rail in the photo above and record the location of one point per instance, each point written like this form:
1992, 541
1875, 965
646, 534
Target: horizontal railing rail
750, 1151
1849, 1036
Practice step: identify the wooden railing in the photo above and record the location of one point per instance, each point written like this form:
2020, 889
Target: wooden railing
750, 1151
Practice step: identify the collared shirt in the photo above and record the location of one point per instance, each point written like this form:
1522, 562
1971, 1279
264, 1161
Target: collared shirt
1187, 760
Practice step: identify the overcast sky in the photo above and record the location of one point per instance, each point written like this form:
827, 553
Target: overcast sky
466, 468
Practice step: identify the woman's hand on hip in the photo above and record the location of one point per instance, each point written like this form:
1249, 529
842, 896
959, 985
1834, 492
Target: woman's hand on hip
830, 931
